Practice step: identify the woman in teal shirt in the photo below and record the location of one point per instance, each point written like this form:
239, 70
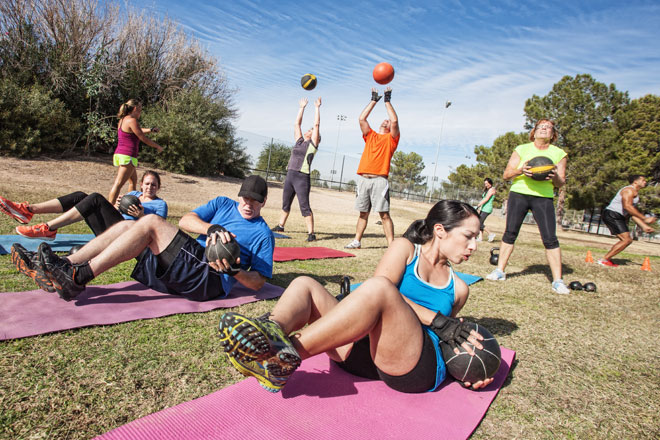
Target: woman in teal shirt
528, 194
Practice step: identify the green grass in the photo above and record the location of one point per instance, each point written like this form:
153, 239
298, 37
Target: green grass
586, 363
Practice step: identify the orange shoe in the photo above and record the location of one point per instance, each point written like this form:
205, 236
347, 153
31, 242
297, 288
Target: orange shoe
41, 231
18, 211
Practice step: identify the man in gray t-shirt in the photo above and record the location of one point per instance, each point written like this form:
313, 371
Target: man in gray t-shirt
298, 182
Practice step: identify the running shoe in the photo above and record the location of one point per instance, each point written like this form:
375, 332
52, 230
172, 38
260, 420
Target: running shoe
496, 275
41, 231
608, 263
61, 273
260, 348
28, 264
559, 287
278, 228
18, 211
311, 237
491, 237
353, 245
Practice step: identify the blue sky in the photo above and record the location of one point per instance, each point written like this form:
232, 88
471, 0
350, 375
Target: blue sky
486, 57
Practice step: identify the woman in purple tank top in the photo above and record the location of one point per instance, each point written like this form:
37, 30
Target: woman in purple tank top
129, 135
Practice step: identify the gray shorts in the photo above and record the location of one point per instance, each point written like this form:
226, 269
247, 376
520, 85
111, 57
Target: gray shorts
372, 193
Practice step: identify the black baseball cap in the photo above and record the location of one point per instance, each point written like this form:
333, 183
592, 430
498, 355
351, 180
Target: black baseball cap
254, 187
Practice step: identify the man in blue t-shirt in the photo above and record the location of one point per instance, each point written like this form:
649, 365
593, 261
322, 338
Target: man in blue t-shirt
171, 261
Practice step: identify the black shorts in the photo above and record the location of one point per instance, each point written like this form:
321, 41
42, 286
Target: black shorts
420, 379
543, 211
482, 219
181, 269
615, 222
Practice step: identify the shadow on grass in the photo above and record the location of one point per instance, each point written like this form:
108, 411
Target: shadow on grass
497, 326
542, 269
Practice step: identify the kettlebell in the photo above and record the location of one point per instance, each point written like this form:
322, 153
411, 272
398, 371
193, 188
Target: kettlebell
344, 288
494, 258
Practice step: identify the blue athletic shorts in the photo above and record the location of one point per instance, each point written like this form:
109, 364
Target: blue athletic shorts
188, 274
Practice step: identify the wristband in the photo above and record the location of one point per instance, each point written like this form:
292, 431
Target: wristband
375, 96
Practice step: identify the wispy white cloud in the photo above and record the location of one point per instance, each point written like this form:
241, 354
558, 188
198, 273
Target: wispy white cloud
486, 57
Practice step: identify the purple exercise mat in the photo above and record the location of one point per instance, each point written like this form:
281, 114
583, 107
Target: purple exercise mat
37, 312
321, 401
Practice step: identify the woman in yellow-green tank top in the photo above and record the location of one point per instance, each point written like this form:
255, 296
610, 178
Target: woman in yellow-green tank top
528, 194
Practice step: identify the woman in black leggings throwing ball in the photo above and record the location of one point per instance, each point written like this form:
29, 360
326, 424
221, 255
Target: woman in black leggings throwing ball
536, 195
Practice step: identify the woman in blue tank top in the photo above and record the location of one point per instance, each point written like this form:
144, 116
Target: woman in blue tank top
375, 332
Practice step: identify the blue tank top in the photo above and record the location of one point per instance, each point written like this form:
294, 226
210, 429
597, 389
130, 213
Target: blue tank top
439, 299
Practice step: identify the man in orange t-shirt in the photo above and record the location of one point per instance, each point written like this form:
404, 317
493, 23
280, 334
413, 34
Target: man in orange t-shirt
373, 188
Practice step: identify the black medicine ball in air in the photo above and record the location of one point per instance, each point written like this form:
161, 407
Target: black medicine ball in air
308, 81
481, 366
127, 201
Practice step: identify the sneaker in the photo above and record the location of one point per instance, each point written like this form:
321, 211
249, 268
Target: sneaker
278, 228
559, 287
18, 211
28, 264
491, 237
496, 275
353, 245
608, 263
61, 273
41, 231
311, 237
260, 348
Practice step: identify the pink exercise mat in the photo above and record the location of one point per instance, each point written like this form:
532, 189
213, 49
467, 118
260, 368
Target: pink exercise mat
307, 253
37, 312
321, 401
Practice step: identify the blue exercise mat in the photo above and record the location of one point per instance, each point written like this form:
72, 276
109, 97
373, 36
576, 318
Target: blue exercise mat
469, 279
278, 235
62, 242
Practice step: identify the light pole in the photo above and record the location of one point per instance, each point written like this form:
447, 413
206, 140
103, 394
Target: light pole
333, 171
437, 152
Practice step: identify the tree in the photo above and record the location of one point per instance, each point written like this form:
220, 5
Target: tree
315, 177
406, 170
583, 110
274, 158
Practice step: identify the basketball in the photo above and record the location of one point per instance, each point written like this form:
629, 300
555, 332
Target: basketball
541, 167
481, 366
383, 73
127, 201
308, 81
229, 251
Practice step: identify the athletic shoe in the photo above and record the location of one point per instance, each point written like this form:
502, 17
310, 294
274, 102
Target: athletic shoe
61, 273
41, 231
260, 348
311, 237
496, 275
18, 211
608, 263
28, 264
559, 287
353, 245
491, 237
278, 228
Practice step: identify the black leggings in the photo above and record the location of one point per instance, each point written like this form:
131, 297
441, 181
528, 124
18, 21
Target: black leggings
543, 211
98, 213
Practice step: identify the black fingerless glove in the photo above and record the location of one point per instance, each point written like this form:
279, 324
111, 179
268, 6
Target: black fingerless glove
233, 270
450, 330
215, 228
388, 95
375, 96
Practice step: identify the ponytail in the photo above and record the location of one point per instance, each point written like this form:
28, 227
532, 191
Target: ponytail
448, 213
127, 107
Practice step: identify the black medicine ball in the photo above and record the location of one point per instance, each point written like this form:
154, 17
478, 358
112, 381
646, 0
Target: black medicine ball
481, 366
589, 287
308, 81
229, 251
541, 167
575, 285
127, 201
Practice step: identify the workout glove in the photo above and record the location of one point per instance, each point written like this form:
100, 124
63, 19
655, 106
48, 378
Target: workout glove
388, 95
375, 96
450, 330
